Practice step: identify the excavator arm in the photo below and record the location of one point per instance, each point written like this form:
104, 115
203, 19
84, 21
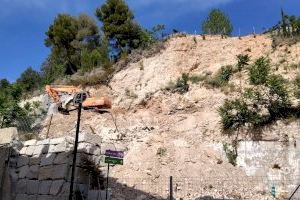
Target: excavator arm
55, 92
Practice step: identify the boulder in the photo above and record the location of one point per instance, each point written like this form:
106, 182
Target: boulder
32, 187
23, 171
56, 187
44, 187
47, 159
21, 186
8, 135
33, 172
45, 172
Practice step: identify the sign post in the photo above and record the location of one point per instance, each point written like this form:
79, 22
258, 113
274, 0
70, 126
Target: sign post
79, 98
114, 158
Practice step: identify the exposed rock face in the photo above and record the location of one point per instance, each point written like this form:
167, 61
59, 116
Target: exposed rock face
174, 134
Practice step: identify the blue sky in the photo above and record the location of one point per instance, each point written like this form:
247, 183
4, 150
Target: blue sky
23, 23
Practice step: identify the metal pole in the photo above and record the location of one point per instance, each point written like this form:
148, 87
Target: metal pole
75, 152
49, 125
106, 195
294, 192
171, 187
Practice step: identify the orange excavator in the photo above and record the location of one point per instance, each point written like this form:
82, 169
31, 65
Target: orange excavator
63, 97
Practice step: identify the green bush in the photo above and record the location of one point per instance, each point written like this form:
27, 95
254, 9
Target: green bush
181, 86
297, 87
279, 97
231, 154
243, 60
233, 114
260, 71
197, 78
222, 77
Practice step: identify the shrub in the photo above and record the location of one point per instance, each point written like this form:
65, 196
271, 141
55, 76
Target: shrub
242, 61
233, 114
161, 151
231, 154
222, 77
197, 78
181, 86
297, 87
260, 71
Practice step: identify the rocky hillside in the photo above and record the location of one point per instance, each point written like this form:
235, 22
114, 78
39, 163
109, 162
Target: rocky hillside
166, 133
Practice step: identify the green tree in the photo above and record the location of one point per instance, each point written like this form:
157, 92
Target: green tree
217, 23
10, 111
52, 68
119, 25
69, 39
60, 38
30, 80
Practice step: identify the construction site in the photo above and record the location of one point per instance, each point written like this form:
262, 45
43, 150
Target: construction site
173, 143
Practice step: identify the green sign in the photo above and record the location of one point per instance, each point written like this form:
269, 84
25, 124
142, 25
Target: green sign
273, 191
114, 161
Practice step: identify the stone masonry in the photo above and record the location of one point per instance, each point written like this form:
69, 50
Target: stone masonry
41, 170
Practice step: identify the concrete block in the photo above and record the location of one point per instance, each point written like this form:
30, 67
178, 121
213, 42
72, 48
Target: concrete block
23, 151
43, 142
21, 197
45, 172
44, 187
47, 159
34, 160
81, 157
30, 143
31, 197
61, 147
89, 138
32, 187
22, 160
82, 176
40, 149
66, 188
29, 150
70, 139
62, 158
56, 187
60, 171
56, 141
21, 186
8, 135
98, 159
85, 148
23, 171
97, 194
83, 188
33, 172
46, 197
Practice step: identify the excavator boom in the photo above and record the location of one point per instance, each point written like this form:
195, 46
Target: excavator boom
57, 92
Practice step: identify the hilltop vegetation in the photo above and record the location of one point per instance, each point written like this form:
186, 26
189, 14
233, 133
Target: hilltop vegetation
84, 54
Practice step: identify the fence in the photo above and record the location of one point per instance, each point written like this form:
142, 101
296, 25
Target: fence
197, 188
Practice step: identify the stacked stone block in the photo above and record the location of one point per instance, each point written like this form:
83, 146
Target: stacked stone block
41, 170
